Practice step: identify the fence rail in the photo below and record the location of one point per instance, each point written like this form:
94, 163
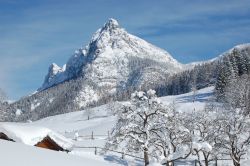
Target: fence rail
108, 150
93, 136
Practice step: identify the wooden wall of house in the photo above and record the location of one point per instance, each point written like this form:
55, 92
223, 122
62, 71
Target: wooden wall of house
48, 143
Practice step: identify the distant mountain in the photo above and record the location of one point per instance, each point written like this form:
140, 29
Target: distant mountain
241, 49
109, 67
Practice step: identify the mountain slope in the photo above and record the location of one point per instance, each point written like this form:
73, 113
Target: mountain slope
203, 74
113, 64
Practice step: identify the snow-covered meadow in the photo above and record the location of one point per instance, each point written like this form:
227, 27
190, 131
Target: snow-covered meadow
17, 154
88, 129
76, 127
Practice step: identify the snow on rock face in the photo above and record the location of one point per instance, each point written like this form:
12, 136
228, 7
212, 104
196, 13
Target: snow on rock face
87, 94
107, 57
54, 76
112, 23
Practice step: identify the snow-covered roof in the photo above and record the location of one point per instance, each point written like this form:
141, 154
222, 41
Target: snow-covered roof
31, 135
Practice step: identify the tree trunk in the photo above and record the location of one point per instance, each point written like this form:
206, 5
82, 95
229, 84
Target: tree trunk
236, 160
206, 161
236, 163
216, 162
146, 158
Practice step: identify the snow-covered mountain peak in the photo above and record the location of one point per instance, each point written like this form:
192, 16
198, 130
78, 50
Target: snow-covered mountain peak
109, 54
111, 24
112, 38
111, 27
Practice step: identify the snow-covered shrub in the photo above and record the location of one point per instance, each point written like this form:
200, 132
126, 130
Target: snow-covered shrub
137, 123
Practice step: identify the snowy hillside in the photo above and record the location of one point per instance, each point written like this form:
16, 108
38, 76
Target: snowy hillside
90, 128
101, 121
16, 154
78, 128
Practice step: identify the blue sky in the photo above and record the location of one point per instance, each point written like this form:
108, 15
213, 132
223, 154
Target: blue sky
36, 33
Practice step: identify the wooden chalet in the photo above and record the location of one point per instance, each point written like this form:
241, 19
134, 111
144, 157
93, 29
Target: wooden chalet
35, 136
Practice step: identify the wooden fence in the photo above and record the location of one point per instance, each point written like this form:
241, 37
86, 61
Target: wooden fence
94, 136
108, 150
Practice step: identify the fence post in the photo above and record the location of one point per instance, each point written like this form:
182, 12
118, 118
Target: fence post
95, 150
216, 162
108, 135
195, 162
123, 155
92, 135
